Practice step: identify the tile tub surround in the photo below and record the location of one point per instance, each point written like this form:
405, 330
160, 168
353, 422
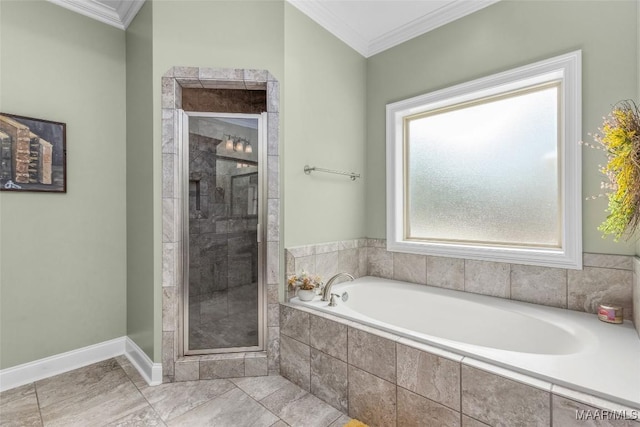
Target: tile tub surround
604, 278
173, 82
429, 386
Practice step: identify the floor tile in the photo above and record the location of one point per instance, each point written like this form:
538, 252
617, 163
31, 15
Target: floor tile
260, 387
145, 417
299, 408
234, 408
132, 372
174, 399
89, 380
19, 407
340, 422
94, 409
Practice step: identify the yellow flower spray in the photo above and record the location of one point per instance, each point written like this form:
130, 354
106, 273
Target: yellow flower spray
619, 137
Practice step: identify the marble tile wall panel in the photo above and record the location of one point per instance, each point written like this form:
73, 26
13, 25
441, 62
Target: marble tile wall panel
222, 366
169, 308
372, 400
168, 353
327, 265
169, 276
539, 285
294, 323
380, 262
509, 403
410, 268
372, 353
349, 261
305, 264
566, 411
445, 272
621, 262
428, 375
329, 380
273, 177
273, 315
256, 365
187, 369
168, 132
295, 362
273, 96
415, 410
273, 350
487, 278
273, 263
591, 286
328, 336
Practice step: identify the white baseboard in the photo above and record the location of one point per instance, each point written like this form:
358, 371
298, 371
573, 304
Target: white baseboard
64, 362
151, 372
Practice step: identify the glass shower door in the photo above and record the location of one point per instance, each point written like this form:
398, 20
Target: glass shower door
223, 310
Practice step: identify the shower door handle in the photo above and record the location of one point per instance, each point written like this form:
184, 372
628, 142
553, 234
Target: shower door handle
259, 232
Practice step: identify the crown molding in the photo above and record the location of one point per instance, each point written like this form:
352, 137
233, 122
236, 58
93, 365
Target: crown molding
426, 23
119, 17
317, 11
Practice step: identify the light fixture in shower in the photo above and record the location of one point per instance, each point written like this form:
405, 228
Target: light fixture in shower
234, 143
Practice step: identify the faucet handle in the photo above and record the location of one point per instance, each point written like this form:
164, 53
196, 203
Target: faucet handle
332, 301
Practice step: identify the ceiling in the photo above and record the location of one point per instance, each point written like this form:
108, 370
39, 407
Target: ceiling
368, 26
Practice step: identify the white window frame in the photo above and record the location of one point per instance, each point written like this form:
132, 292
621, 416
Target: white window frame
567, 70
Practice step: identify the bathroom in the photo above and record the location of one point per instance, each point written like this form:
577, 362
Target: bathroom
107, 277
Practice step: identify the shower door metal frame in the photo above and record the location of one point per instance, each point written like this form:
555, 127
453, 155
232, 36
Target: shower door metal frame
183, 147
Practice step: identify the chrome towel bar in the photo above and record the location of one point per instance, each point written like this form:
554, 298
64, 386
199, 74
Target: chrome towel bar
308, 169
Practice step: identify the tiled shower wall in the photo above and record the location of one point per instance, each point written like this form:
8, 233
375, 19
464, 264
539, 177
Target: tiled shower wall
385, 380
177, 368
603, 279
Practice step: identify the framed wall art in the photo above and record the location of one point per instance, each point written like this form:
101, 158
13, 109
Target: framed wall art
33, 154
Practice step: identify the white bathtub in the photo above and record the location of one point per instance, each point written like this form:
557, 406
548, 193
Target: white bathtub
563, 347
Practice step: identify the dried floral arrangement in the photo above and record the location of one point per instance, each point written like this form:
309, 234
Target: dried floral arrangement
304, 281
619, 138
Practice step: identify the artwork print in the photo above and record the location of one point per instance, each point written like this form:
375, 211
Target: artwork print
32, 154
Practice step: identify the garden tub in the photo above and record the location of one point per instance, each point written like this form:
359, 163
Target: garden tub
564, 347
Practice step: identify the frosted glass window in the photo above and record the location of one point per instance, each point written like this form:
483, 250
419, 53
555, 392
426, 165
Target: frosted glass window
487, 171
490, 169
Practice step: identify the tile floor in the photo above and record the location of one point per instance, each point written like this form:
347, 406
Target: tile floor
112, 393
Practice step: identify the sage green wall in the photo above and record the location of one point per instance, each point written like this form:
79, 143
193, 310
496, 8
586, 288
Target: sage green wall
63, 278
324, 126
505, 35
219, 34
140, 237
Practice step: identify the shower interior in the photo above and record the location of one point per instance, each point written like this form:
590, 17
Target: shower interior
223, 303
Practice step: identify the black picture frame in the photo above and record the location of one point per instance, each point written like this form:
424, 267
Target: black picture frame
33, 154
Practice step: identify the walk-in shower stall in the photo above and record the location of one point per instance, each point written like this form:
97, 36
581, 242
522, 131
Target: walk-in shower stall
223, 278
